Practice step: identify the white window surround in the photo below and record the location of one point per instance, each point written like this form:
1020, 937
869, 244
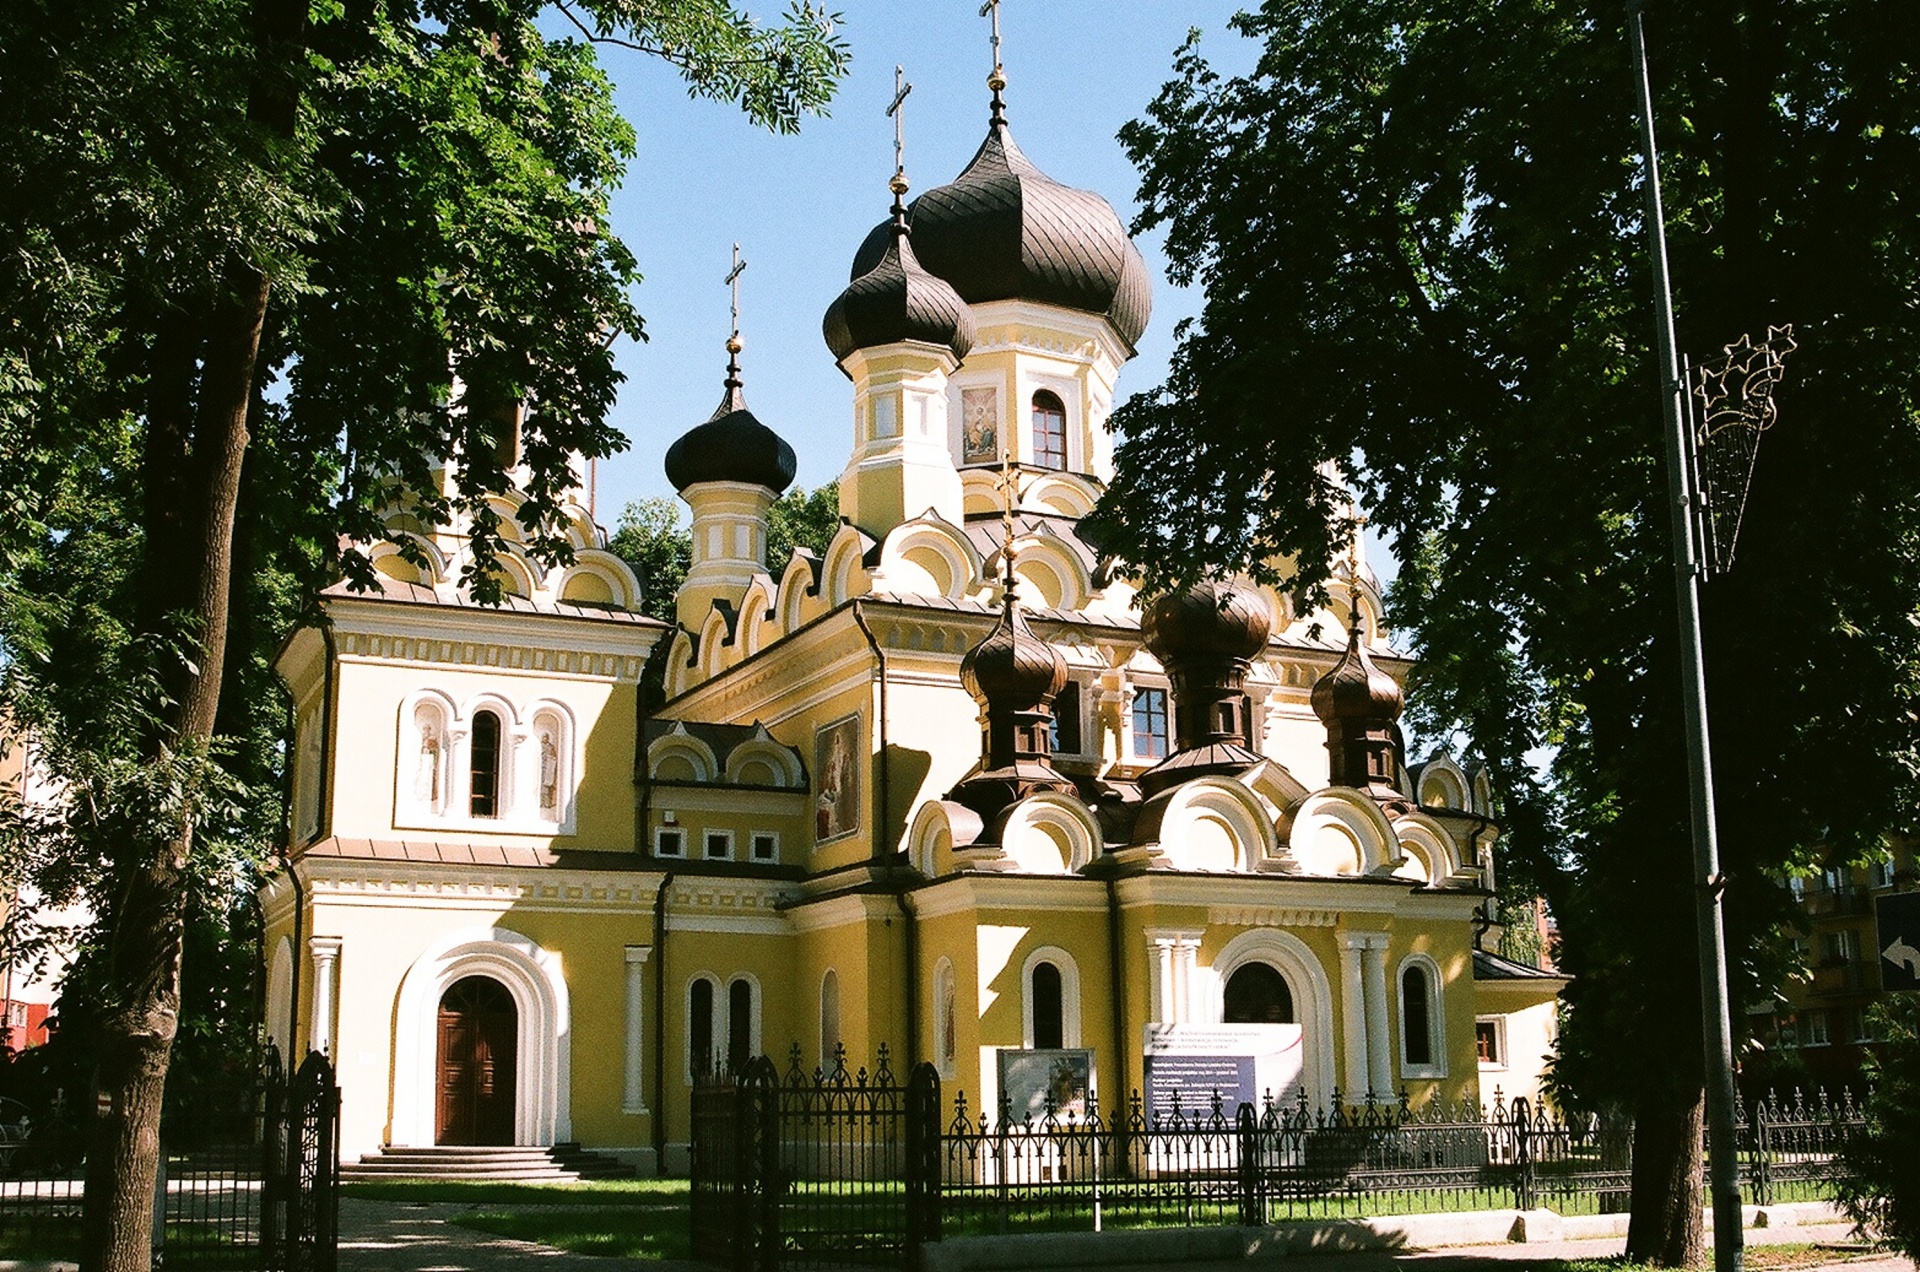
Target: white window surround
1499, 1063
707, 840
421, 803
759, 837
1312, 994
1436, 1018
543, 1047
676, 833
1069, 995
722, 1017
1067, 390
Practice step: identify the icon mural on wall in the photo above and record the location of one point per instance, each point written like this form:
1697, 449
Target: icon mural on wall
836, 810
979, 426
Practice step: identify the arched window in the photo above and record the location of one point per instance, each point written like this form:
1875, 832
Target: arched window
829, 1018
946, 1021
1049, 431
484, 771
739, 1023
700, 1025
1049, 1015
1257, 994
1416, 1016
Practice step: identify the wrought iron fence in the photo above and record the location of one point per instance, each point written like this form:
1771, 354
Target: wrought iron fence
249, 1175
840, 1168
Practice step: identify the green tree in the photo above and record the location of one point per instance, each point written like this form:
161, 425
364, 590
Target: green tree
1881, 1189
1418, 235
651, 539
285, 257
802, 519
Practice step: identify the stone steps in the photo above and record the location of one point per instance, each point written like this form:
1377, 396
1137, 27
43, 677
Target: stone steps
560, 1164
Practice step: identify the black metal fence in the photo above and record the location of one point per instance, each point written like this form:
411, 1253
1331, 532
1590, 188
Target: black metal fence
839, 1168
250, 1180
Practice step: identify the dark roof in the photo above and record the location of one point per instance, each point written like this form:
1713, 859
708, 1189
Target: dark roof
1489, 966
392, 589
721, 739
898, 300
1004, 230
732, 445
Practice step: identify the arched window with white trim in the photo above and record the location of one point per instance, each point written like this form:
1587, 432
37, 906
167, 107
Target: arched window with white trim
1050, 1001
552, 768
1423, 1047
743, 1022
829, 1018
700, 1030
483, 764
1049, 430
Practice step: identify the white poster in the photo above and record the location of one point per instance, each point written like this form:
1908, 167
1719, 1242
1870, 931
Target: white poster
1243, 1063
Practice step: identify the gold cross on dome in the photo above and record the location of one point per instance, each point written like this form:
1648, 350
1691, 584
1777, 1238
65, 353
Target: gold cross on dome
992, 9
897, 110
733, 280
1009, 483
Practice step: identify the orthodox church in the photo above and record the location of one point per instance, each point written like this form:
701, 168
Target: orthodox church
952, 788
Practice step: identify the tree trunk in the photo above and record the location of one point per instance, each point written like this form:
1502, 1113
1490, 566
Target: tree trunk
1667, 1229
194, 564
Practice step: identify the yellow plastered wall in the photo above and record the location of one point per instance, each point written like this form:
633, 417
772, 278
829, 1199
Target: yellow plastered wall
1450, 946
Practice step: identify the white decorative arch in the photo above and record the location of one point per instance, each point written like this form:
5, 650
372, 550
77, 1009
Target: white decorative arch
1436, 1017
577, 520
595, 571
844, 576
507, 506
929, 555
542, 1103
426, 783
1443, 784
280, 999
1063, 493
1306, 982
520, 577
1341, 832
680, 664
939, 827
678, 742
551, 773
715, 638
757, 616
1053, 575
799, 597
1069, 995
1216, 824
1050, 833
758, 752
1429, 850
387, 559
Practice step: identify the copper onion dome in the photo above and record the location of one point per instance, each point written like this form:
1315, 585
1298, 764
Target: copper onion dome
1012, 668
898, 300
1356, 689
1211, 619
1004, 230
733, 445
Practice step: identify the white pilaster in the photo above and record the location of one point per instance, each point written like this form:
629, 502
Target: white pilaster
633, 1091
1186, 952
1160, 959
326, 974
1379, 1054
1353, 1017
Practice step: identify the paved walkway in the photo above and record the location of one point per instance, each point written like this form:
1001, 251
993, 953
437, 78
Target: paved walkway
387, 1236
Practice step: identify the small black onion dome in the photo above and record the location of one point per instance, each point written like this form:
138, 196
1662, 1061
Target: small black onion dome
1211, 619
1012, 667
1004, 230
898, 300
1356, 689
731, 446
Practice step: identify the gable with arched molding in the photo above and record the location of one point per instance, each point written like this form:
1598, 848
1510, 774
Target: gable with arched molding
1341, 832
929, 556
679, 756
1049, 833
716, 644
387, 558
800, 601
759, 624
761, 761
1211, 824
598, 578
938, 828
1428, 849
1067, 494
682, 667
1443, 784
844, 570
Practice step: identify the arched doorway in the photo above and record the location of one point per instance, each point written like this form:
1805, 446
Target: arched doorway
479, 1030
1257, 994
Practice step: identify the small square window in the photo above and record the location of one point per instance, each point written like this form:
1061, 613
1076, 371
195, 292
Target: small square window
669, 841
719, 845
1813, 1028
766, 846
1488, 1042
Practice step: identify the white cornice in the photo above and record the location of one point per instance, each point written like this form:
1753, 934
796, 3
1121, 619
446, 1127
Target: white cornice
960, 893
406, 884
503, 640
1290, 893
840, 911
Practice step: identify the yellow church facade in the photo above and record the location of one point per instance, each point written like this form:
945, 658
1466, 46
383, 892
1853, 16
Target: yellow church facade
952, 788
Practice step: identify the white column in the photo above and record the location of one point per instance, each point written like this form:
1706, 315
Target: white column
633, 1095
1379, 1054
326, 972
1186, 953
1160, 959
1353, 1017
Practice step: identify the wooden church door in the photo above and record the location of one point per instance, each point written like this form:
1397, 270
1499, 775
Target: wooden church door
478, 1032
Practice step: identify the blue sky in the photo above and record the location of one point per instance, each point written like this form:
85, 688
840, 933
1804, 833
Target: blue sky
799, 205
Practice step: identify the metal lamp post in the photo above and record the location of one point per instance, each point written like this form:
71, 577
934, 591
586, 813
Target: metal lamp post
1706, 501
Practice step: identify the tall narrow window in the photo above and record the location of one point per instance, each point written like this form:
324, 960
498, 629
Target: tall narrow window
1066, 720
739, 1023
484, 786
946, 1045
1150, 723
829, 1018
1049, 431
700, 1024
1049, 1017
1416, 1016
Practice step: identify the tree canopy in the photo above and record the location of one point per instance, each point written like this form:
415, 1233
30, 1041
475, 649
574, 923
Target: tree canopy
658, 545
270, 266
1418, 235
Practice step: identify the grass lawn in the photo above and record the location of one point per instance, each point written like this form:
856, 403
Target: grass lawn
632, 1232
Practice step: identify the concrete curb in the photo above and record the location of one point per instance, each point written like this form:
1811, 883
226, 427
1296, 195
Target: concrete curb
1312, 1236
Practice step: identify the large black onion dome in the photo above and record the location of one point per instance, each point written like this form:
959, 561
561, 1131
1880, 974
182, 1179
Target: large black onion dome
1211, 619
1012, 668
898, 300
732, 445
1004, 230
1356, 689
